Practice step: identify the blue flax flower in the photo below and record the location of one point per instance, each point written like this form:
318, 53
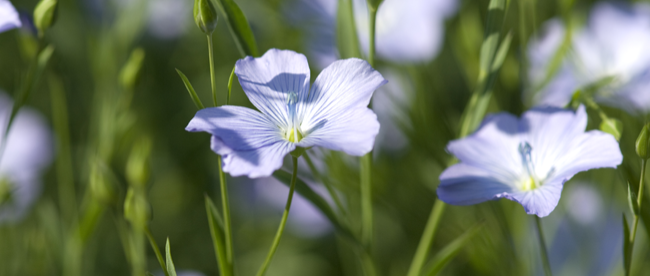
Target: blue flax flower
9, 18
333, 114
525, 160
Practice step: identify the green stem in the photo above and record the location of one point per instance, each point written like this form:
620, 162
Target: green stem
156, 250
212, 76
427, 238
283, 221
639, 199
542, 248
366, 200
226, 214
373, 21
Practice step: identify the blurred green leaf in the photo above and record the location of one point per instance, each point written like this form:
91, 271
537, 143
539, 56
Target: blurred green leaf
130, 73
232, 76
627, 247
347, 40
190, 89
45, 15
612, 126
451, 250
502, 52
239, 27
217, 234
170, 264
631, 200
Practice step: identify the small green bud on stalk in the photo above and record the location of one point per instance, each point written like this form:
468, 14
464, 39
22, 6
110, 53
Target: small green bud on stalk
45, 15
374, 4
136, 208
643, 143
130, 73
205, 16
137, 167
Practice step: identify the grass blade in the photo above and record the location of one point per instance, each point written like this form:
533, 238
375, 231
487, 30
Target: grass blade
451, 250
190, 89
218, 242
170, 264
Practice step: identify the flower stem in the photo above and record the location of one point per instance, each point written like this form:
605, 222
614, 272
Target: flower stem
639, 199
212, 76
366, 160
542, 247
427, 238
226, 214
283, 221
366, 200
156, 250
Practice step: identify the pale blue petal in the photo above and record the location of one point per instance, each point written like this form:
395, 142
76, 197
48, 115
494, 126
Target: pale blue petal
260, 162
352, 132
336, 115
268, 80
462, 184
541, 201
549, 131
9, 18
494, 147
238, 127
592, 150
249, 142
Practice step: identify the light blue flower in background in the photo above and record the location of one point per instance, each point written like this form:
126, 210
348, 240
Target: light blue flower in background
27, 153
9, 18
333, 114
527, 159
407, 31
614, 45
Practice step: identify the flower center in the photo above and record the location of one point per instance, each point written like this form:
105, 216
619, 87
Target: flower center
292, 133
532, 181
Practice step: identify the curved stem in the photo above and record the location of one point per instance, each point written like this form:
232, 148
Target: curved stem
542, 247
212, 76
427, 238
283, 221
639, 199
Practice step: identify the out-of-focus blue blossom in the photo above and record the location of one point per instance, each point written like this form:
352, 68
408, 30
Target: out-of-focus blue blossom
391, 103
407, 31
27, 152
168, 19
583, 243
527, 159
304, 219
333, 114
613, 45
9, 18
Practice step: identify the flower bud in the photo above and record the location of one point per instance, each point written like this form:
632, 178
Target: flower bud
613, 127
137, 167
642, 143
374, 4
205, 16
136, 208
45, 15
130, 73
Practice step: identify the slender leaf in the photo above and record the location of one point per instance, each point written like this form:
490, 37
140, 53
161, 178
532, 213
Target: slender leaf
170, 264
347, 39
217, 233
190, 89
501, 53
627, 247
451, 250
239, 27
232, 76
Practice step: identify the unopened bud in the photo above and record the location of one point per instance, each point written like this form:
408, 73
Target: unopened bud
642, 143
613, 127
205, 16
131, 71
136, 208
137, 167
45, 15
